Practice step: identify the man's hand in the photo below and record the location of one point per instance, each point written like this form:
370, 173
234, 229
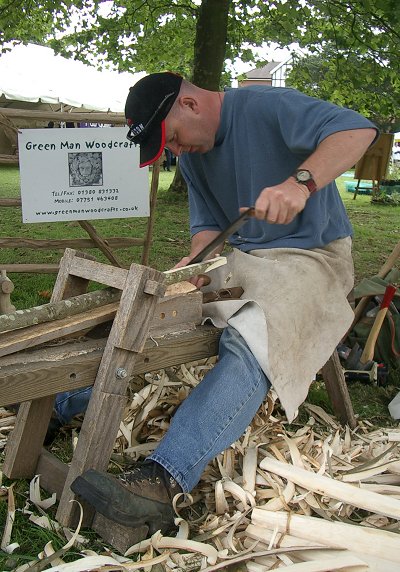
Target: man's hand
200, 280
281, 203
199, 241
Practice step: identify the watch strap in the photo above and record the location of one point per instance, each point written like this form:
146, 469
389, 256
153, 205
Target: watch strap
309, 183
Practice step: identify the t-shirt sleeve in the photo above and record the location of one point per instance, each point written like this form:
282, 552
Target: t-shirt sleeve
306, 121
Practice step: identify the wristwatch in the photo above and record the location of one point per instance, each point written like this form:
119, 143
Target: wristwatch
305, 178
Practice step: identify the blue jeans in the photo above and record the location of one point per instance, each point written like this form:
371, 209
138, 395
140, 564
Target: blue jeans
214, 415
71, 403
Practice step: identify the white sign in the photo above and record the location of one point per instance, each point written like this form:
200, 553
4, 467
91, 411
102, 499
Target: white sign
81, 174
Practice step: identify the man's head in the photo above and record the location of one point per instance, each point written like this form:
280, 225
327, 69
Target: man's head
146, 108
163, 109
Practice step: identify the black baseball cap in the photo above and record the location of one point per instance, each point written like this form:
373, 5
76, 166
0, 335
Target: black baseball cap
146, 108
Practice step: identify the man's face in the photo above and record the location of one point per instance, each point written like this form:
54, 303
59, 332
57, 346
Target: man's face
85, 168
188, 132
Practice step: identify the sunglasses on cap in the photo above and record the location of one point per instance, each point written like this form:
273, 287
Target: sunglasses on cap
164, 106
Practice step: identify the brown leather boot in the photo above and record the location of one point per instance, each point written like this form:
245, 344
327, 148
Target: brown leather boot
142, 496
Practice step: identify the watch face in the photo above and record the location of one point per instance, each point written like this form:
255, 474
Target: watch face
303, 175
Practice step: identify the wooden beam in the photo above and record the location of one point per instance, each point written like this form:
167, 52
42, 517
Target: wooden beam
172, 314
119, 536
63, 243
101, 273
58, 310
150, 221
337, 389
9, 159
53, 473
30, 428
95, 117
32, 336
10, 202
31, 268
29, 375
125, 343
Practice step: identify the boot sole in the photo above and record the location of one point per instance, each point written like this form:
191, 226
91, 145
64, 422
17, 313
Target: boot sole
99, 498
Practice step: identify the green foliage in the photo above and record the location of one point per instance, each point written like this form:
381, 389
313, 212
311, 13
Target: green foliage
354, 59
393, 172
28, 21
384, 198
355, 80
354, 45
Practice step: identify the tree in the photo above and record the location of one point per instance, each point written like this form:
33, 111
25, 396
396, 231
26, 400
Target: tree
154, 35
351, 80
209, 55
23, 21
188, 36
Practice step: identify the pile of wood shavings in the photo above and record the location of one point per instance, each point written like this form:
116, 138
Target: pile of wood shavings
336, 509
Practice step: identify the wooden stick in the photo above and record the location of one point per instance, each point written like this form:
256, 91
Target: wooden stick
6, 288
56, 310
21, 339
10, 202
63, 243
284, 540
100, 242
31, 268
373, 541
75, 305
350, 494
150, 221
186, 272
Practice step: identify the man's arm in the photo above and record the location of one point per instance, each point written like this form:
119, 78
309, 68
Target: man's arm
333, 156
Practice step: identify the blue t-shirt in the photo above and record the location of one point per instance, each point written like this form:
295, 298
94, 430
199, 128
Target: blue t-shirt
265, 133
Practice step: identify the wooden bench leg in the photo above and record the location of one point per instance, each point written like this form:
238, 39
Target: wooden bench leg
26, 440
336, 386
105, 411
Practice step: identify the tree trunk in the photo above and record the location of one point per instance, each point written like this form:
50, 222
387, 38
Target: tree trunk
209, 56
178, 184
210, 43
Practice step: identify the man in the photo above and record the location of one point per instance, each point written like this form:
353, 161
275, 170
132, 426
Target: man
280, 151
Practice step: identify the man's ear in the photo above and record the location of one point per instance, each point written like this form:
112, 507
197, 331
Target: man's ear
189, 102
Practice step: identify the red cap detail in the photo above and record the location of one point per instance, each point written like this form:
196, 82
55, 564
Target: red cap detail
161, 149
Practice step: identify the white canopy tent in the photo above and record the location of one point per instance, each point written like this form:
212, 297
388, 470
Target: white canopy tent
35, 75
